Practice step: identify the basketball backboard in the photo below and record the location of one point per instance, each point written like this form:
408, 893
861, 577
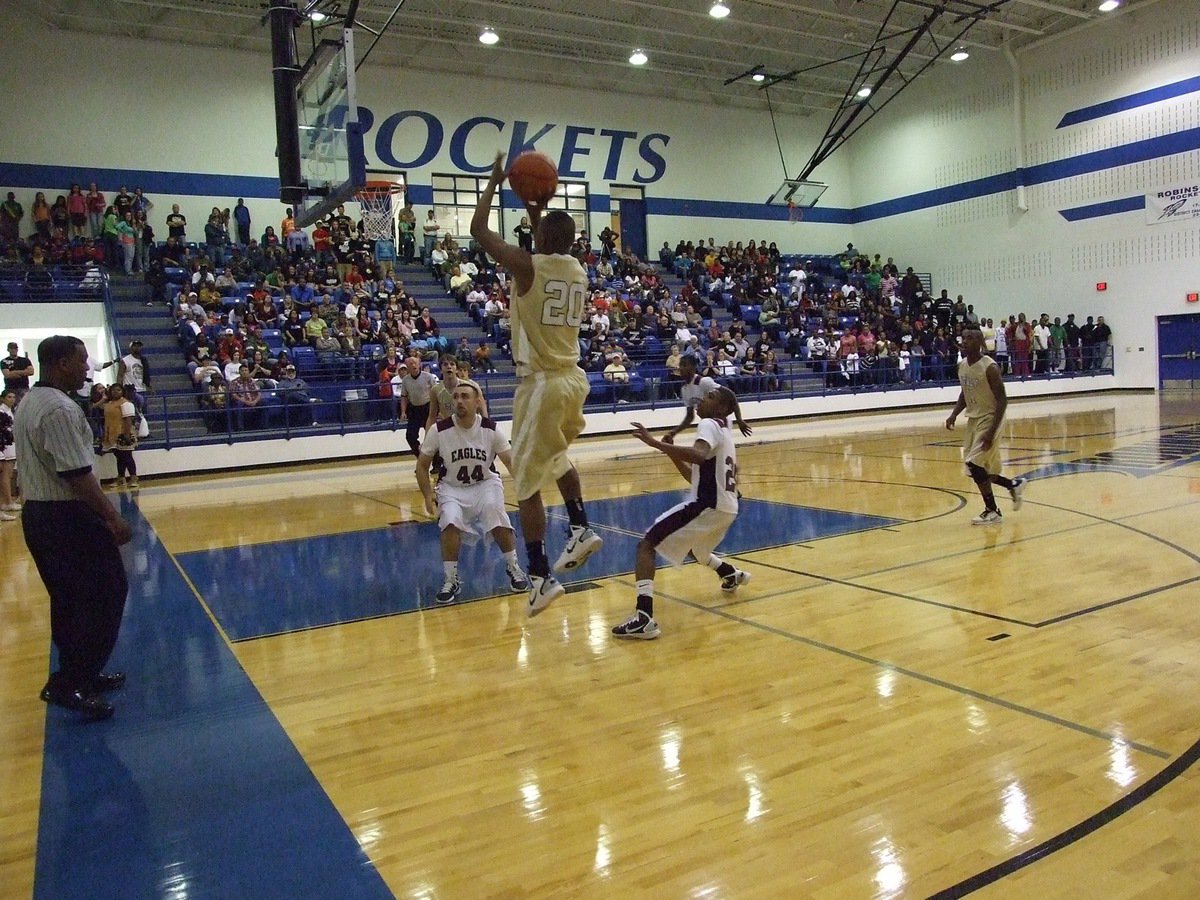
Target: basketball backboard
332, 160
801, 194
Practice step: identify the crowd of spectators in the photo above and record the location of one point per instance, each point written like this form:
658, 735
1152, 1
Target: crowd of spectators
247, 307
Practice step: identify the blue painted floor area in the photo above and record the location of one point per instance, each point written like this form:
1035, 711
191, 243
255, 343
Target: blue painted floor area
193, 789
264, 589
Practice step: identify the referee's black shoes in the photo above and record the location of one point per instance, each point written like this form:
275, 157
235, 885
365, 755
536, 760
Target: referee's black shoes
92, 706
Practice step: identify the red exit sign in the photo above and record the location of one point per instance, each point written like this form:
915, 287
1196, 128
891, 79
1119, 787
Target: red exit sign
1102, 285
1193, 297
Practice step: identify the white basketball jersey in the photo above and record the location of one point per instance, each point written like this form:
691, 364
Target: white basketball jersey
714, 481
464, 457
694, 390
977, 392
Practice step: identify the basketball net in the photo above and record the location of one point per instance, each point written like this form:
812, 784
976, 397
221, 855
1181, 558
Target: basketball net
795, 213
375, 201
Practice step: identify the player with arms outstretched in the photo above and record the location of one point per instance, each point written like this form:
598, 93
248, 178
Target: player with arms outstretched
694, 388
547, 308
698, 524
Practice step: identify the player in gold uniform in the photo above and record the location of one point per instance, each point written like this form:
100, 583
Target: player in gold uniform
549, 291
984, 400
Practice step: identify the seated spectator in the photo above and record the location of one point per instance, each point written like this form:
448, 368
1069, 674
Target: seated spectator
326, 342
246, 400
313, 329
292, 392
205, 368
483, 358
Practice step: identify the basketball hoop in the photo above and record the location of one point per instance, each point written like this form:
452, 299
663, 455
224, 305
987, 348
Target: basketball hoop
375, 200
795, 213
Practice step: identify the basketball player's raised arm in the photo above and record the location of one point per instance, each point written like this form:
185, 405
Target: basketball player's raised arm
516, 260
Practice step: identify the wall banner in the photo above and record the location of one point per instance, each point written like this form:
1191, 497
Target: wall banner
1179, 203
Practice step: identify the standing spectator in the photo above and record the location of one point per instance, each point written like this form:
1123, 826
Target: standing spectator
17, 371
8, 454
1058, 339
72, 531
408, 226
120, 434
524, 235
11, 214
60, 216
215, 239
77, 209
287, 224
144, 234
112, 238
241, 220
1040, 343
141, 204
127, 235
133, 372
430, 229
41, 215
123, 202
96, 205
1087, 340
1101, 341
1071, 329
177, 224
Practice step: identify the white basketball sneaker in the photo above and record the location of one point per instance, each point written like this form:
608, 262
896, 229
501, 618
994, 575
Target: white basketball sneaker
581, 543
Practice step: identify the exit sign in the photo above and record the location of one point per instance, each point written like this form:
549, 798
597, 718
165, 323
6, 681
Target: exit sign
1102, 285
1193, 297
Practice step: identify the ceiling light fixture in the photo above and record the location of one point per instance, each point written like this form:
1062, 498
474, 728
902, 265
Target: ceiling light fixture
960, 54
317, 16
759, 76
1109, 5
489, 37
638, 57
864, 92
719, 10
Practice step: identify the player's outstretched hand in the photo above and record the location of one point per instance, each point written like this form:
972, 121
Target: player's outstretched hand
746, 429
668, 438
640, 432
498, 173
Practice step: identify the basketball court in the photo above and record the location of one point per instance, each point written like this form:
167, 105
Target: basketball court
898, 703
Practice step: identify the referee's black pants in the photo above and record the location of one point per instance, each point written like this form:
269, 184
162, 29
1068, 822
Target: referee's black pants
416, 421
82, 569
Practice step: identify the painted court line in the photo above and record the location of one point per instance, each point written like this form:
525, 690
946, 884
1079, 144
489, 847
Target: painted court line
920, 676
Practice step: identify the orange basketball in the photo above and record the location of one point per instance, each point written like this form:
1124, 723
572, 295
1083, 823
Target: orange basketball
533, 177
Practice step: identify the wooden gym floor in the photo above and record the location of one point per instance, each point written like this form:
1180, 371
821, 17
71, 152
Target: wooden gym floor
897, 705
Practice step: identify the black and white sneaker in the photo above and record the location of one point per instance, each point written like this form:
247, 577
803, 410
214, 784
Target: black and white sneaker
581, 543
988, 517
517, 580
731, 582
449, 591
1017, 492
639, 627
543, 592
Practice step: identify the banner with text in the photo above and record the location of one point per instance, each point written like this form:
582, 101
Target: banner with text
1180, 203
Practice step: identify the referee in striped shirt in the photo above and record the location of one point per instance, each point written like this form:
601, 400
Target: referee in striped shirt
72, 531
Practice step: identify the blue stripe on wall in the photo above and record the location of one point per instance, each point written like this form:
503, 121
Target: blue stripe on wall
1107, 208
182, 183
1130, 101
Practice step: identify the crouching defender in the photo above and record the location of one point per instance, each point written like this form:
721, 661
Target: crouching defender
463, 450
698, 524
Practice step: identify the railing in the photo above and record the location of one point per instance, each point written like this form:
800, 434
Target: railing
53, 284
182, 418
